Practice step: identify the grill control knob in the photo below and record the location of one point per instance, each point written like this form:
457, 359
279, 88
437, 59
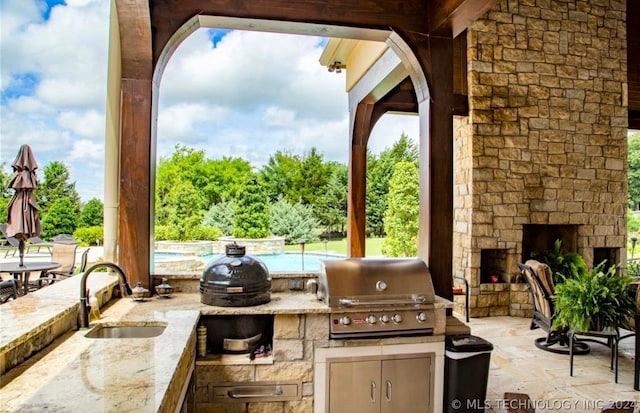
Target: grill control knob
421, 317
371, 319
384, 318
345, 320
397, 318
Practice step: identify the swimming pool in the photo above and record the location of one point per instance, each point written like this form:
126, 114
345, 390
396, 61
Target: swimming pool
288, 261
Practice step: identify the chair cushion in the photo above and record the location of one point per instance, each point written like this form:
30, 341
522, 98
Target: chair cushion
544, 274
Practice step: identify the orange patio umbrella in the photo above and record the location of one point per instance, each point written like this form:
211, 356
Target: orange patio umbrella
23, 221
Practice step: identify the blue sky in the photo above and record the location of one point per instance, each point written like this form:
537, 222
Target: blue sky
230, 93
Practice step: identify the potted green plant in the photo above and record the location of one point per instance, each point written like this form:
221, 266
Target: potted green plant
563, 264
595, 300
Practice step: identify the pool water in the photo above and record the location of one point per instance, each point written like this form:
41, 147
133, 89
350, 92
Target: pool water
290, 261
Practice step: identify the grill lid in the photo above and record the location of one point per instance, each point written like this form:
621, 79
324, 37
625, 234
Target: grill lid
235, 280
355, 282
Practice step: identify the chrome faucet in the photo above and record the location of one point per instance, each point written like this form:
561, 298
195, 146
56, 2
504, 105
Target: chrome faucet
83, 311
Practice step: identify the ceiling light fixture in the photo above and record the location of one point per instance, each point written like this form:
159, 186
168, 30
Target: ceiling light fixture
337, 67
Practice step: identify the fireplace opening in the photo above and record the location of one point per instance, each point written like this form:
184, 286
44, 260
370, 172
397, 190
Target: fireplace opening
610, 255
493, 266
539, 238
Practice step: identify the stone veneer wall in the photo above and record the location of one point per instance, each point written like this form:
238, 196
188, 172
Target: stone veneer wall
294, 336
545, 140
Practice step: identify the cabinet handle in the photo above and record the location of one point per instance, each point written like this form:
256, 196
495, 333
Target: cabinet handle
373, 392
388, 390
257, 391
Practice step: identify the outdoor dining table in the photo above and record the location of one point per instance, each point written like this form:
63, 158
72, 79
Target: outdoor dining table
22, 272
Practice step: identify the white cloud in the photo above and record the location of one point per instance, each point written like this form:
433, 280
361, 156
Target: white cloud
87, 151
251, 95
389, 128
275, 116
89, 124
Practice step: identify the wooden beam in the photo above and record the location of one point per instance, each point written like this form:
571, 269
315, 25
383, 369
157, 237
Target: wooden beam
134, 218
135, 38
135, 154
357, 192
441, 166
436, 161
452, 17
167, 16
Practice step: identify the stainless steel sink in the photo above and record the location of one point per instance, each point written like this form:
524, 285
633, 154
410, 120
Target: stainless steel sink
142, 330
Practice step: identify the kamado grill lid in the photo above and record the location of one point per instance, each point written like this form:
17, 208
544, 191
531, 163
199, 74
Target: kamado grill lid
235, 279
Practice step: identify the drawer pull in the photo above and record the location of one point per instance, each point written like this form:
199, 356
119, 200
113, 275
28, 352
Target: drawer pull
251, 392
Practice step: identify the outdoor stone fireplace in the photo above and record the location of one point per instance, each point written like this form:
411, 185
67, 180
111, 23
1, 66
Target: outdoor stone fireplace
542, 154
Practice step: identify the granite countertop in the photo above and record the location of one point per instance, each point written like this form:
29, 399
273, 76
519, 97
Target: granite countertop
77, 373
117, 375
110, 375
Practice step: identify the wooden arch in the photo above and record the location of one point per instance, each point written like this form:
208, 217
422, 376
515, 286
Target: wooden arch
423, 36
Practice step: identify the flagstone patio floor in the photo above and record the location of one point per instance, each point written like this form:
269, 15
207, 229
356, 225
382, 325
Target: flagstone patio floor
517, 366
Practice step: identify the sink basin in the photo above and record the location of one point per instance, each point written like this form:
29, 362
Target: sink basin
142, 330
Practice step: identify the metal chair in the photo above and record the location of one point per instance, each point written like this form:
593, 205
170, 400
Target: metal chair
8, 290
83, 261
634, 323
463, 291
540, 282
64, 254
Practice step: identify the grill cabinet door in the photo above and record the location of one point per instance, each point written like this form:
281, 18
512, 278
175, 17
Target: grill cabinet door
406, 385
354, 386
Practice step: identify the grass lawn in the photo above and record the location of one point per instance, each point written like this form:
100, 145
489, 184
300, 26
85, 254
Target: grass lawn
373, 247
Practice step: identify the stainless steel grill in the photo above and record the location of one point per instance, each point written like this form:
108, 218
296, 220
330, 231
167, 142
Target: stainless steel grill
372, 297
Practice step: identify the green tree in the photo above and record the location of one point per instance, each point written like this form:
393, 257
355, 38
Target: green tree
311, 179
633, 173
331, 208
279, 176
215, 181
293, 222
5, 192
226, 178
220, 216
401, 218
251, 214
60, 218
92, 214
55, 185
379, 172
185, 208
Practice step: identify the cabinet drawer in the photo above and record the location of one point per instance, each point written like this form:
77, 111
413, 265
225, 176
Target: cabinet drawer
255, 392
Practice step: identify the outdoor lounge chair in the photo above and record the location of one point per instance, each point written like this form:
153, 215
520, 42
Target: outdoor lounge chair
64, 239
37, 243
8, 244
539, 278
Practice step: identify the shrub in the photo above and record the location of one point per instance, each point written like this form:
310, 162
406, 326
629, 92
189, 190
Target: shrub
594, 300
186, 232
220, 215
89, 235
563, 264
633, 221
166, 232
202, 232
293, 222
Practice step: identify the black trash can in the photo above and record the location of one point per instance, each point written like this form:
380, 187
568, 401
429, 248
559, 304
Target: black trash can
466, 372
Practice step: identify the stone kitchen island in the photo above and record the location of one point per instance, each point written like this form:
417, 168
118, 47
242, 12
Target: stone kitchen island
76, 373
